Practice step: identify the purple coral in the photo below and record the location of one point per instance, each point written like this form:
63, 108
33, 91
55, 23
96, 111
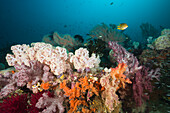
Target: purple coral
141, 86
37, 71
46, 102
122, 56
51, 104
8, 84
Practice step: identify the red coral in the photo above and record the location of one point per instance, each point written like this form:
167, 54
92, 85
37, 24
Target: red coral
34, 99
14, 104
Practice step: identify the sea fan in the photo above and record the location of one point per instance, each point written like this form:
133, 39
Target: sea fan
14, 104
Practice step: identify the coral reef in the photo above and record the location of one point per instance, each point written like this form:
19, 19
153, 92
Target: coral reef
51, 79
25, 74
141, 83
46, 102
158, 59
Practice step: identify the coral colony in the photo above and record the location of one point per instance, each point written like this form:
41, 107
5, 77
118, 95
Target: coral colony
50, 79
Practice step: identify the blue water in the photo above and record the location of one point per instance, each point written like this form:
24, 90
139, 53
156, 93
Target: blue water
26, 21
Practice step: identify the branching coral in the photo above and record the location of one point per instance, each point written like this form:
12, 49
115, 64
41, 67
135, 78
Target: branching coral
81, 59
36, 72
51, 104
120, 54
79, 94
55, 58
46, 102
142, 85
112, 82
14, 104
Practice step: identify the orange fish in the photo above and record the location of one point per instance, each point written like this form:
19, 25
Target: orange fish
13, 71
122, 26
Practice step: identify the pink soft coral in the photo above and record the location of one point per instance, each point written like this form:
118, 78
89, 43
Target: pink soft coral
112, 82
46, 102
141, 86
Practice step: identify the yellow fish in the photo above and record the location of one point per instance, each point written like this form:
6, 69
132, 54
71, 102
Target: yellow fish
122, 26
62, 77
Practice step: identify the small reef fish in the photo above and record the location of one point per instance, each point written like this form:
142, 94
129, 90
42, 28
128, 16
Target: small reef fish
111, 3
122, 26
62, 77
12, 71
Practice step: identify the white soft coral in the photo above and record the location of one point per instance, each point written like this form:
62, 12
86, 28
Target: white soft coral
81, 59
